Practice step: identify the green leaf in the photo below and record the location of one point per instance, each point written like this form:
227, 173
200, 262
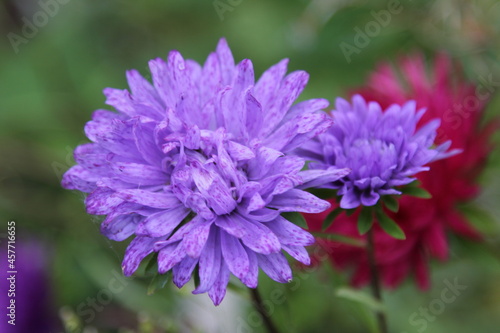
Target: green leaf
158, 282
365, 220
340, 239
152, 266
349, 212
481, 219
196, 276
295, 218
416, 192
389, 225
391, 203
360, 297
330, 217
323, 193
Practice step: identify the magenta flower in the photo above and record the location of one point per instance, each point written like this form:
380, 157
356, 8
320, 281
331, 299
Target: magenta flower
196, 167
383, 149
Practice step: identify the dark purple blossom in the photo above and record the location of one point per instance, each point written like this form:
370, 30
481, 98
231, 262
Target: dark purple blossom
195, 166
382, 148
26, 297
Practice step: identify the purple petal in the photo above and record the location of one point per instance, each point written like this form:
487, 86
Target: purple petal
315, 178
117, 138
251, 280
299, 253
389, 192
186, 229
121, 227
198, 204
239, 152
78, 178
120, 100
288, 165
233, 224
269, 82
235, 255
259, 166
261, 215
210, 262
216, 191
275, 266
177, 73
140, 174
192, 140
94, 128
244, 77
260, 238
218, 290
369, 198
210, 78
137, 250
196, 239
142, 91
254, 114
301, 138
226, 61
147, 198
92, 157
256, 203
306, 107
102, 201
146, 143
299, 201
289, 90
170, 256
159, 73
290, 234
114, 184
349, 200
183, 271
162, 223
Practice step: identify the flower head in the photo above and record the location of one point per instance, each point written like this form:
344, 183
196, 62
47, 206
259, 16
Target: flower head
196, 167
452, 181
382, 148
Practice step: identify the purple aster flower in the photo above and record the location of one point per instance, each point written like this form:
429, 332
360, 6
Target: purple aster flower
195, 166
382, 149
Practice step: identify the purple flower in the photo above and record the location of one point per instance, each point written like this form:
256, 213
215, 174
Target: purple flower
26, 298
382, 149
196, 167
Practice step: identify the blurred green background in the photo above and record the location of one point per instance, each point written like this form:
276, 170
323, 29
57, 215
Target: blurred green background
51, 82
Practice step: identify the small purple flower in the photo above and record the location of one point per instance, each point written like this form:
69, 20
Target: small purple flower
382, 149
196, 167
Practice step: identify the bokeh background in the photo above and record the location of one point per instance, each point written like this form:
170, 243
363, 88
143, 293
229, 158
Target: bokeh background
51, 78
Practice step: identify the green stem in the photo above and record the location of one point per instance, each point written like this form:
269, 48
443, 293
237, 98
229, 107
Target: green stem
257, 302
375, 282
340, 239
